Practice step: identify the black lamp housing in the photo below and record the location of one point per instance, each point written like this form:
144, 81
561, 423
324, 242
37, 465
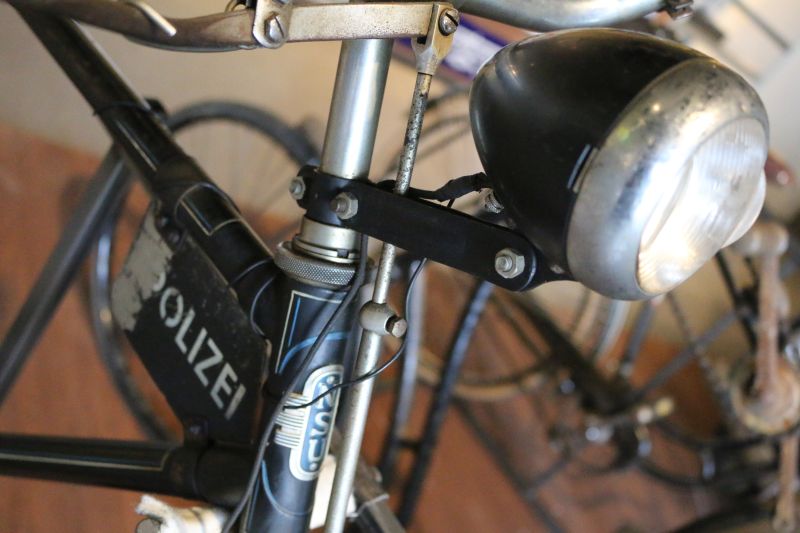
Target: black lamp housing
541, 110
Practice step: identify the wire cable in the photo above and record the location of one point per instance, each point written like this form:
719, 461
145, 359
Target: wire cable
270, 425
378, 369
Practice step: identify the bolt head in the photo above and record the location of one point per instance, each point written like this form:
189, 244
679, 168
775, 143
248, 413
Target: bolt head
448, 21
509, 263
345, 205
273, 28
397, 326
297, 188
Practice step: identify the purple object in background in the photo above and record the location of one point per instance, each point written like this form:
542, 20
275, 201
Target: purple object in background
472, 47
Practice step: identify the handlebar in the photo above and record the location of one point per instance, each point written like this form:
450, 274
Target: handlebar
233, 30
545, 15
218, 32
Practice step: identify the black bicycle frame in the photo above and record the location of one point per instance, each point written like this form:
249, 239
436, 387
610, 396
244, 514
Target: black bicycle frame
202, 468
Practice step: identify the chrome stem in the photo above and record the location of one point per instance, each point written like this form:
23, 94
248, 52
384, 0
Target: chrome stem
354, 415
352, 123
356, 104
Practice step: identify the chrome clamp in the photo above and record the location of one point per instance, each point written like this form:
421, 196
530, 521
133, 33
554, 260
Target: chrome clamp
271, 24
278, 22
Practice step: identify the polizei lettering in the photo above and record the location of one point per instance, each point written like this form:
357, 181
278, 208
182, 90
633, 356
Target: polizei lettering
202, 353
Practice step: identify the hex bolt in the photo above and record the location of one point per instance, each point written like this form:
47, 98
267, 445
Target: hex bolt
297, 188
397, 326
509, 263
448, 21
345, 205
273, 29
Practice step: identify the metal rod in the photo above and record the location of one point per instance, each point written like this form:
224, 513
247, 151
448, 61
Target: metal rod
442, 397
759, 21
355, 107
374, 514
102, 193
684, 357
184, 190
638, 333
404, 394
785, 518
737, 296
215, 474
501, 459
354, 415
767, 357
138, 466
352, 121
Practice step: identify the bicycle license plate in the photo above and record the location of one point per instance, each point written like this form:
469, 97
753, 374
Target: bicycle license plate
190, 332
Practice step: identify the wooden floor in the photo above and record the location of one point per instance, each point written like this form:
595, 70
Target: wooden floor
64, 390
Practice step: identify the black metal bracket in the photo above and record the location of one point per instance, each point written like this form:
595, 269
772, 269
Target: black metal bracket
426, 229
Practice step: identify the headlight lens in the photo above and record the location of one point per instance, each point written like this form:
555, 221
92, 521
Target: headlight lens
716, 198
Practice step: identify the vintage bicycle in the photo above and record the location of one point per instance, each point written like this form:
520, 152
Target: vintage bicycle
251, 349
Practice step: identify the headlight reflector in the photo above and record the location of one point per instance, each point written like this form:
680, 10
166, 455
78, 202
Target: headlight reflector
717, 197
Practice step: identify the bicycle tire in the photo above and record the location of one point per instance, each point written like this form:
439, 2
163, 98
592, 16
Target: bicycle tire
297, 147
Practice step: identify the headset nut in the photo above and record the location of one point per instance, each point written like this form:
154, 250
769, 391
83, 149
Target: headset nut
345, 205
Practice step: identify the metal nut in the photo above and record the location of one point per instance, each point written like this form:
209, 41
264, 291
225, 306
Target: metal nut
448, 21
274, 29
345, 205
297, 188
397, 326
509, 263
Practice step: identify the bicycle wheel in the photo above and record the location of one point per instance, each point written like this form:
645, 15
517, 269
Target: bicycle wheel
507, 391
249, 153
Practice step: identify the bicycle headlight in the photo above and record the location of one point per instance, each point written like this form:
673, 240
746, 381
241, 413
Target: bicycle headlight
629, 160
